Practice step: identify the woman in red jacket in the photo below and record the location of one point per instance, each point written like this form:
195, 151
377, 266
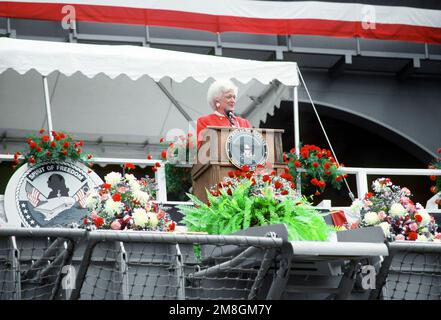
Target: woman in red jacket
221, 97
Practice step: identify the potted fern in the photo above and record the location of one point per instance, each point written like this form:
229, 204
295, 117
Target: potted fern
247, 199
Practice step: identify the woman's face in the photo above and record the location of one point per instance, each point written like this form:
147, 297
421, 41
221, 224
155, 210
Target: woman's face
226, 101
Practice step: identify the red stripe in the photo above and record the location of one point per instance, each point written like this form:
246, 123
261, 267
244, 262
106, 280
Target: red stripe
213, 23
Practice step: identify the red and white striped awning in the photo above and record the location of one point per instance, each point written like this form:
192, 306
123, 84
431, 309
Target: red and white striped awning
384, 20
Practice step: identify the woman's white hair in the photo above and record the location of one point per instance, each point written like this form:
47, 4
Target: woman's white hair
216, 89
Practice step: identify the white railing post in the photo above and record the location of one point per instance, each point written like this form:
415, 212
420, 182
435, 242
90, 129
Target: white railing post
362, 183
161, 195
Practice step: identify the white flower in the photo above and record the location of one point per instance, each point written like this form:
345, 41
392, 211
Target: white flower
386, 228
356, 206
141, 196
92, 200
113, 207
130, 177
153, 219
423, 213
132, 181
422, 238
113, 178
371, 218
397, 210
139, 216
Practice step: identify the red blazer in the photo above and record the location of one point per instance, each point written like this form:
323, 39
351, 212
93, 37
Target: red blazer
216, 120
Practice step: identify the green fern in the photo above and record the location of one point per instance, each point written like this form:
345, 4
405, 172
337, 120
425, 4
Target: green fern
226, 214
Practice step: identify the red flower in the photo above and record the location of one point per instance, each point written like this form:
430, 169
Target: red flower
45, 138
433, 189
368, 195
317, 193
293, 150
129, 166
89, 156
315, 165
85, 221
284, 192
54, 133
338, 178
418, 218
116, 197
304, 153
62, 136
64, 152
82, 143
157, 164
31, 160
161, 140
154, 169
78, 151
171, 226
75, 145
266, 178
326, 165
278, 185
57, 137
149, 157
42, 131
53, 144
249, 175
66, 145
231, 174
314, 182
245, 168
33, 145
107, 186
98, 221
39, 149
439, 150
164, 154
412, 236
297, 164
284, 158
286, 176
433, 178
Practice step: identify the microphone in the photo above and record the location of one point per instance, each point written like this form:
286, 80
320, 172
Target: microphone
230, 115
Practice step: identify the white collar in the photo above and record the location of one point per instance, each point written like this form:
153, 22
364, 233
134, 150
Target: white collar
219, 114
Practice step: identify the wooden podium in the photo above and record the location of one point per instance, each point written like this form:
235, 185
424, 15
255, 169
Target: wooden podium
213, 163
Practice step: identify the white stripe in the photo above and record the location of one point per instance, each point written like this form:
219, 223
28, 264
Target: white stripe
277, 10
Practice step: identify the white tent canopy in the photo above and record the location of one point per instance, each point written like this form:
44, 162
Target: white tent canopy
125, 94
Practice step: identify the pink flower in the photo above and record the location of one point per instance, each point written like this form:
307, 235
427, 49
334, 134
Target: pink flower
413, 226
438, 235
381, 215
115, 225
399, 237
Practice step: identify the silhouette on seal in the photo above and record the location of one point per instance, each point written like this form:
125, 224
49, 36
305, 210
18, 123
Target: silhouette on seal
57, 184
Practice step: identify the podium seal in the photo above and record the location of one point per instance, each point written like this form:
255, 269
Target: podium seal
246, 147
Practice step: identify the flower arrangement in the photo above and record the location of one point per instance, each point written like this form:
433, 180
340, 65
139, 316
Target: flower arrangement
390, 207
320, 167
42, 147
125, 202
436, 164
245, 199
180, 152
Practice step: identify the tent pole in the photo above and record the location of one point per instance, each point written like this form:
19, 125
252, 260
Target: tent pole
48, 106
297, 137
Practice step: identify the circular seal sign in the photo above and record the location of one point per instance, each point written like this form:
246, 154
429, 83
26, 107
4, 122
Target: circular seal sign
246, 147
49, 194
